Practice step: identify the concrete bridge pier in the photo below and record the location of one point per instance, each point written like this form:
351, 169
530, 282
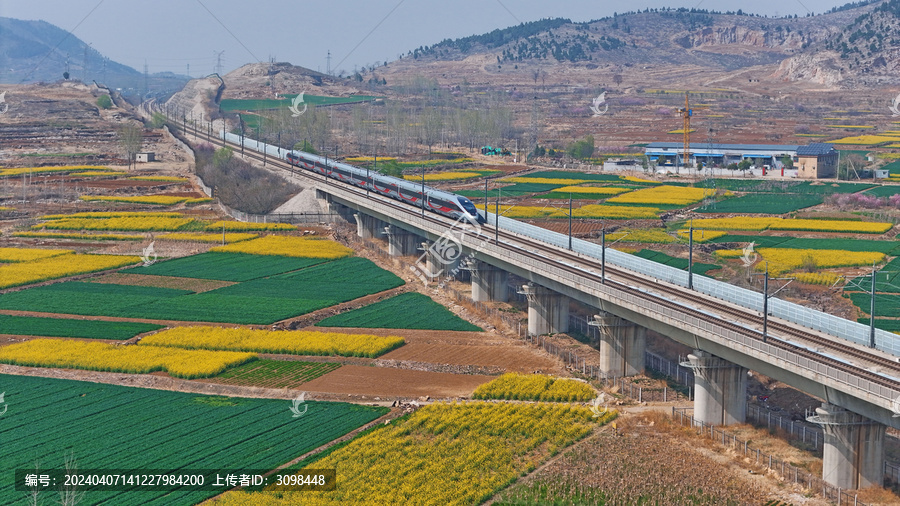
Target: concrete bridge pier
488, 282
548, 311
853, 453
401, 242
367, 226
622, 345
720, 389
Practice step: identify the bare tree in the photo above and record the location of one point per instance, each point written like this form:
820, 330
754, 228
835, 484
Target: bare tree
69, 495
130, 140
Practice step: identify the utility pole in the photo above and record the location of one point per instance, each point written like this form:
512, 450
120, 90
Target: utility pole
872, 312
691, 256
84, 65
570, 222
686, 113
766, 304
603, 256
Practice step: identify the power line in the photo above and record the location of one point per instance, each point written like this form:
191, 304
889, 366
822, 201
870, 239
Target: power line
229, 31
68, 34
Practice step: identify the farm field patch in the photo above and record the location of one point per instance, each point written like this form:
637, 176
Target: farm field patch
503, 357
430, 453
294, 342
62, 327
409, 310
764, 203
97, 356
259, 301
391, 382
771, 241
274, 373
226, 266
289, 246
197, 431
59, 266
796, 224
535, 387
678, 263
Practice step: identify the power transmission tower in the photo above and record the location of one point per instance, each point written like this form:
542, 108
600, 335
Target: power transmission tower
189, 70
84, 65
686, 114
146, 78
219, 54
328, 63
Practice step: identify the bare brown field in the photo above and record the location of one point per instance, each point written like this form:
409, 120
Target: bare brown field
390, 382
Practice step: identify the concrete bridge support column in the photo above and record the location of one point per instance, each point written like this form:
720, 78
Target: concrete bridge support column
401, 242
720, 389
367, 226
622, 345
548, 311
488, 282
853, 454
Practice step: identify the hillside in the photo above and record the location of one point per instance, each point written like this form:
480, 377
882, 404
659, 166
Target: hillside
37, 51
845, 47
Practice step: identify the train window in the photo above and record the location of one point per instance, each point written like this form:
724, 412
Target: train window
467, 205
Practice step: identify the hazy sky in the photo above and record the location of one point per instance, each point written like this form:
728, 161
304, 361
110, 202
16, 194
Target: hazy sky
170, 34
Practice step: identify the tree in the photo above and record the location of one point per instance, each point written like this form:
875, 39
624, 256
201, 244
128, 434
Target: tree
582, 149
130, 139
787, 161
104, 102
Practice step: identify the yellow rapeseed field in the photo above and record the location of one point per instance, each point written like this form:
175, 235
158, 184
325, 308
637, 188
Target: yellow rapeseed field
638, 180
294, 342
29, 254
667, 195
102, 215
240, 226
62, 168
781, 260
544, 180
816, 278
588, 211
24, 273
865, 140
535, 387
161, 200
88, 237
125, 223
211, 237
128, 359
762, 223
444, 176
98, 173
653, 235
165, 179
702, 235
290, 246
599, 190
443, 454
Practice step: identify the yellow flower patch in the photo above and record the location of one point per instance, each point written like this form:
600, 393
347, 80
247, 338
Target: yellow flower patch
443, 454
654, 235
161, 200
128, 359
545, 180
816, 278
444, 176
62, 168
289, 246
598, 190
535, 387
763, 223
295, 342
781, 260
865, 140
702, 235
638, 180
666, 195
34, 271
192, 237
135, 223
8, 255
86, 237
241, 226
590, 211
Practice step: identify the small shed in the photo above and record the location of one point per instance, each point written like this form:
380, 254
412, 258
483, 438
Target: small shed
817, 160
145, 157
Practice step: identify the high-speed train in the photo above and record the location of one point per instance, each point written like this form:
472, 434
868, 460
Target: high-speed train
441, 202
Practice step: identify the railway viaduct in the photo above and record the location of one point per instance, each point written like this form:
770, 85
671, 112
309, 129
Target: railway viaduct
818, 353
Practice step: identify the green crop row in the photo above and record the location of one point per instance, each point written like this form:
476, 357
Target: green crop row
114, 427
276, 373
60, 327
227, 266
409, 310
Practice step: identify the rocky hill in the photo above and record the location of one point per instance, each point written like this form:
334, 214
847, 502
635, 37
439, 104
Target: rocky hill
849, 46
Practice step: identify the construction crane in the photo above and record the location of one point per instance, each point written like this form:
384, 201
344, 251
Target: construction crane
686, 113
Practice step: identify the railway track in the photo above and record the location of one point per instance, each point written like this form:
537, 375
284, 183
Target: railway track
736, 319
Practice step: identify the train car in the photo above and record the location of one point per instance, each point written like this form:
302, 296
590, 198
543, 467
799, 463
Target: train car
441, 202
